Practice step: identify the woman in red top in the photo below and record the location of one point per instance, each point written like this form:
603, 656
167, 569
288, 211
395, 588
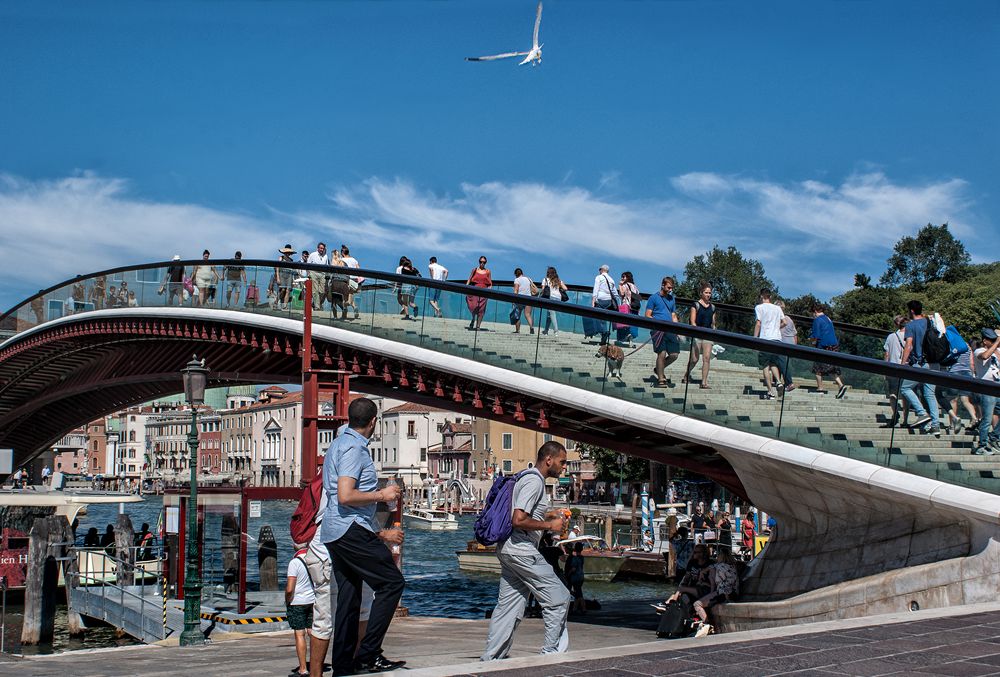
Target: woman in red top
479, 277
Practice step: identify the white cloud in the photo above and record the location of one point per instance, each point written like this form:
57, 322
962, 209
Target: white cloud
829, 230
84, 223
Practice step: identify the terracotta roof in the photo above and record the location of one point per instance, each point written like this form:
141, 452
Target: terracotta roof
459, 427
410, 408
290, 398
274, 389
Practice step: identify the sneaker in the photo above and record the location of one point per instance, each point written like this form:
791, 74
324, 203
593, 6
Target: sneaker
995, 443
841, 392
704, 630
415, 313
958, 427
983, 451
790, 387
921, 422
936, 432
768, 396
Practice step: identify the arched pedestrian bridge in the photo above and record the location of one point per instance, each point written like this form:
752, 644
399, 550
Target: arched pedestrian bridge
853, 498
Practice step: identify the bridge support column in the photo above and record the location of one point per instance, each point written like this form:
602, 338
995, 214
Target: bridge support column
843, 548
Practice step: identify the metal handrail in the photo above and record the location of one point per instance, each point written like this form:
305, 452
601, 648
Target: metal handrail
85, 577
789, 350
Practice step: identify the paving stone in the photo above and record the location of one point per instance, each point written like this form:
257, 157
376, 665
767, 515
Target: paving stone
969, 649
960, 669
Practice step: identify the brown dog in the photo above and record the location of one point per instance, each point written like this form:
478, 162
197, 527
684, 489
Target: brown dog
615, 357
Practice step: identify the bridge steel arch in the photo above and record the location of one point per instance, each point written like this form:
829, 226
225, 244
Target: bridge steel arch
843, 522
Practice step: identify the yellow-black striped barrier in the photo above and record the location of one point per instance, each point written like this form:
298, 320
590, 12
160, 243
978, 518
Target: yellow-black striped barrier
243, 621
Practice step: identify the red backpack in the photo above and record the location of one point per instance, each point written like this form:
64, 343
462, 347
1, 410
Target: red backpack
303, 525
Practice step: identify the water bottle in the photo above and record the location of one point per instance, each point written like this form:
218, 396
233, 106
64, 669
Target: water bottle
392, 505
396, 549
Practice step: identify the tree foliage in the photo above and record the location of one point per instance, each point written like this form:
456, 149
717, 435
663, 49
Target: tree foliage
606, 464
963, 303
734, 279
869, 306
933, 254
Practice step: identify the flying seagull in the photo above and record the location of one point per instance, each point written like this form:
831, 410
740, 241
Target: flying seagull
534, 57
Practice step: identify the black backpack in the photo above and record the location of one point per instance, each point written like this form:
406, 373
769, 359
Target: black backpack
676, 620
936, 348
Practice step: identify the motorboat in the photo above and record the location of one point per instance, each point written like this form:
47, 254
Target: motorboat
427, 518
600, 561
19, 508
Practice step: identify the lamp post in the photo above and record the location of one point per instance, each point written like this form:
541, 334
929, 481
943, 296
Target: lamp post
195, 378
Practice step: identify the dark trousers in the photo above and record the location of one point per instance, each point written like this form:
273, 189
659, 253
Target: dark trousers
360, 556
605, 304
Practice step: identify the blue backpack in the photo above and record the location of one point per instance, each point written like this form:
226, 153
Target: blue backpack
495, 522
957, 343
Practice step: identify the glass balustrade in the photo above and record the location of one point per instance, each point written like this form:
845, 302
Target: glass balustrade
561, 345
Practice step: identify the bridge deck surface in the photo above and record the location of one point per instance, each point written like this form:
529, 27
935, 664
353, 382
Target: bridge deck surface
955, 641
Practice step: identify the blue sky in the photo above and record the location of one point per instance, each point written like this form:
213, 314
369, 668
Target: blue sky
811, 135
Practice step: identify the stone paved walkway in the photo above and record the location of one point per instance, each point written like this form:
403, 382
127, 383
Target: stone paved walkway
955, 646
954, 642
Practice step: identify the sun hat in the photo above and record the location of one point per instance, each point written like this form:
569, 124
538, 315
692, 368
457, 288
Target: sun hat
287, 249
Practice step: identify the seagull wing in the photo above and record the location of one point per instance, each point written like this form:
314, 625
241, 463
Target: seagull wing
495, 56
538, 22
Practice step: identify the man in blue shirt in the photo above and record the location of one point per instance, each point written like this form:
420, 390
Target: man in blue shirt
663, 306
913, 355
357, 546
825, 337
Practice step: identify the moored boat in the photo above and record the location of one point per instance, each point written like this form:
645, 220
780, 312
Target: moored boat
600, 562
426, 518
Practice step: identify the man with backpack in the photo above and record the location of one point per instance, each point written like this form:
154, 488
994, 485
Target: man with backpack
523, 569
919, 334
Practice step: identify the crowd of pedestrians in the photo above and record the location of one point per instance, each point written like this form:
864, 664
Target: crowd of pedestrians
337, 289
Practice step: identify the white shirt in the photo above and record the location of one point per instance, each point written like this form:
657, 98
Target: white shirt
602, 288
522, 286
314, 257
990, 369
316, 546
304, 593
350, 262
893, 346
437, 271
770, 317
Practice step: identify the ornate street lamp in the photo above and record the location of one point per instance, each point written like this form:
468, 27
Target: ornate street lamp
195, 379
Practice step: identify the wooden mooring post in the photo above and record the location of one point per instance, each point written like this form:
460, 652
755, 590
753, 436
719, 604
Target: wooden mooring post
124, 550
267, 559
50, 545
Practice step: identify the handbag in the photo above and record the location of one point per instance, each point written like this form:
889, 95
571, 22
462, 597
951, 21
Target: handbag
515, 315
353, 285
623, 308
546, 292
188, 284
563, 295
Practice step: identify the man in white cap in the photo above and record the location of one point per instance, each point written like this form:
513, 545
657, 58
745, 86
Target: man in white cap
173, 282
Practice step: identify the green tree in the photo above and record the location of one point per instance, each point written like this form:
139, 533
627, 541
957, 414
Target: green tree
934, 254
964, 303
606, 464
862, 281
734, 279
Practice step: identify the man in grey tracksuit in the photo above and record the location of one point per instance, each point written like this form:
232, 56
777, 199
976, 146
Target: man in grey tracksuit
523, 570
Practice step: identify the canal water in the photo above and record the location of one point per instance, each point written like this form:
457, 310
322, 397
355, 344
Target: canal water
434, 584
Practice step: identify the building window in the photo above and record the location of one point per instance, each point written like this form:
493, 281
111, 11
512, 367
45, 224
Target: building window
473, 442
423, 454
472, 466
507, 441
546, 438
411, 428
570, 445
486, 440
131, 436
440, 427
508, 465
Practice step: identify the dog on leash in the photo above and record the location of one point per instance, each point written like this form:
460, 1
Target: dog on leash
615, 357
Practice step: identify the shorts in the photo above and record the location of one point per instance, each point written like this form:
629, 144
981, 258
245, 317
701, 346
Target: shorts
765, 360
666, 343
300, 616
891, 386
436, 295
285, 278
821, 369
324, 609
